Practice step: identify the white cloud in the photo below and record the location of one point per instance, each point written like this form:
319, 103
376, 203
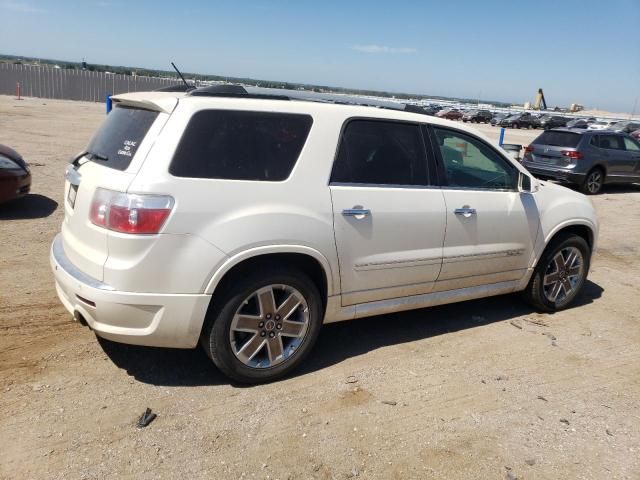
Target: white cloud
382, 49
22, 7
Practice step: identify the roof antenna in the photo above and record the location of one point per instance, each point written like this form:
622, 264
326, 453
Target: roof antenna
186, 85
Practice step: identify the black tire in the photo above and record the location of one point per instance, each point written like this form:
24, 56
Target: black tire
535, 294
215, 338
593, 181
516, 125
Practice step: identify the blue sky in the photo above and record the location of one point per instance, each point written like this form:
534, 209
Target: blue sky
584, 51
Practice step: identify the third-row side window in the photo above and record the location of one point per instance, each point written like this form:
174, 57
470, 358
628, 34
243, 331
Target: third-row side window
241, 145
381, 153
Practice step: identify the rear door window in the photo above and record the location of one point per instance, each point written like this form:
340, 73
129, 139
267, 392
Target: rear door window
558, 139
381, 153
611, 142
118, 138
241, 145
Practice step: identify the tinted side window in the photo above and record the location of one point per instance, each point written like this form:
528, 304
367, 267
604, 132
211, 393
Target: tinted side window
239, 145
471, 163
631, 145
611, 142
120, 135
381, 153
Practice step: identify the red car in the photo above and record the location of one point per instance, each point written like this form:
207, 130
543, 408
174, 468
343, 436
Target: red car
450, 114
636, 134
15, 177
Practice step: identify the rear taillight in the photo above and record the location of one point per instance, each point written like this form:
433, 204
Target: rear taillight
572, 154
528, 149
129, 213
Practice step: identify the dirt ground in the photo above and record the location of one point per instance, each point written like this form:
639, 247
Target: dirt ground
484, 389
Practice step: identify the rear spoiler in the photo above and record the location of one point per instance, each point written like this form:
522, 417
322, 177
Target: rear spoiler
157, 101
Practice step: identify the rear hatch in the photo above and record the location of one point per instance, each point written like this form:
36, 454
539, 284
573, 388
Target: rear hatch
112, 159
548, 148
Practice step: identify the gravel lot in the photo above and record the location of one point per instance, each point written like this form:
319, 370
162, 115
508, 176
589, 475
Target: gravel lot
482, 389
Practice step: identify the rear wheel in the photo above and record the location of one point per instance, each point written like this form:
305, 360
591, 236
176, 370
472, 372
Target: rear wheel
264, 326
593, 182
516, 125
559, 275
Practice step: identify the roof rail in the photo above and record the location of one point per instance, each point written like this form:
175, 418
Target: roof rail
219, 91
181, 87
233, 91
238, 91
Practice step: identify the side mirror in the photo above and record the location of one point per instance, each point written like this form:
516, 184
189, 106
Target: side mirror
524, 183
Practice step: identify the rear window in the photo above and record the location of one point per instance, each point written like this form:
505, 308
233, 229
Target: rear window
120, 135
558, 139
238, 145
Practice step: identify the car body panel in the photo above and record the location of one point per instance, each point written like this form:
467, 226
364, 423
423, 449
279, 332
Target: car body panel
375, 262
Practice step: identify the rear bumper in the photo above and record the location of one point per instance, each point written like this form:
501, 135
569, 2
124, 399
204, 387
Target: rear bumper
158, 320
560, 174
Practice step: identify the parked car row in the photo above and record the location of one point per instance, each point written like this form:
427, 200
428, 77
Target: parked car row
544, 121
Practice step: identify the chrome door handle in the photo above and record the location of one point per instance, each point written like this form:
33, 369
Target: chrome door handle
465, 211
356, 212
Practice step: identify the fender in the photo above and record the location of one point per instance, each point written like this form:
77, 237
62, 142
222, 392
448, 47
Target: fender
231, 262
583, 222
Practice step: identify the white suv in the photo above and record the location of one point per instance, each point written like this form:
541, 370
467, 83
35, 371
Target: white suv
245, 220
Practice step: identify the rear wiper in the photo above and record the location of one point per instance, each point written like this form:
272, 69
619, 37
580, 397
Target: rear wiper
97, 156
86, 153
74, 161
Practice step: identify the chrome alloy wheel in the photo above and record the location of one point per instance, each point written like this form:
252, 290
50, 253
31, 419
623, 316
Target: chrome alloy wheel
269, 326
594, 181
563, 276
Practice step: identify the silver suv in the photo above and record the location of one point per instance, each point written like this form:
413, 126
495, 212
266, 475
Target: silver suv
586, 158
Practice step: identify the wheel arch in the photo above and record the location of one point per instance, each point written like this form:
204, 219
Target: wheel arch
598, 166
581, 228
306, 259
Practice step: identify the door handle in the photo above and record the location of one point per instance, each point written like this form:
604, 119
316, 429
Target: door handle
356, 212
465, 211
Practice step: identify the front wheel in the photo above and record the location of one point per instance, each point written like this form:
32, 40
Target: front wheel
559, 275
264, 325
